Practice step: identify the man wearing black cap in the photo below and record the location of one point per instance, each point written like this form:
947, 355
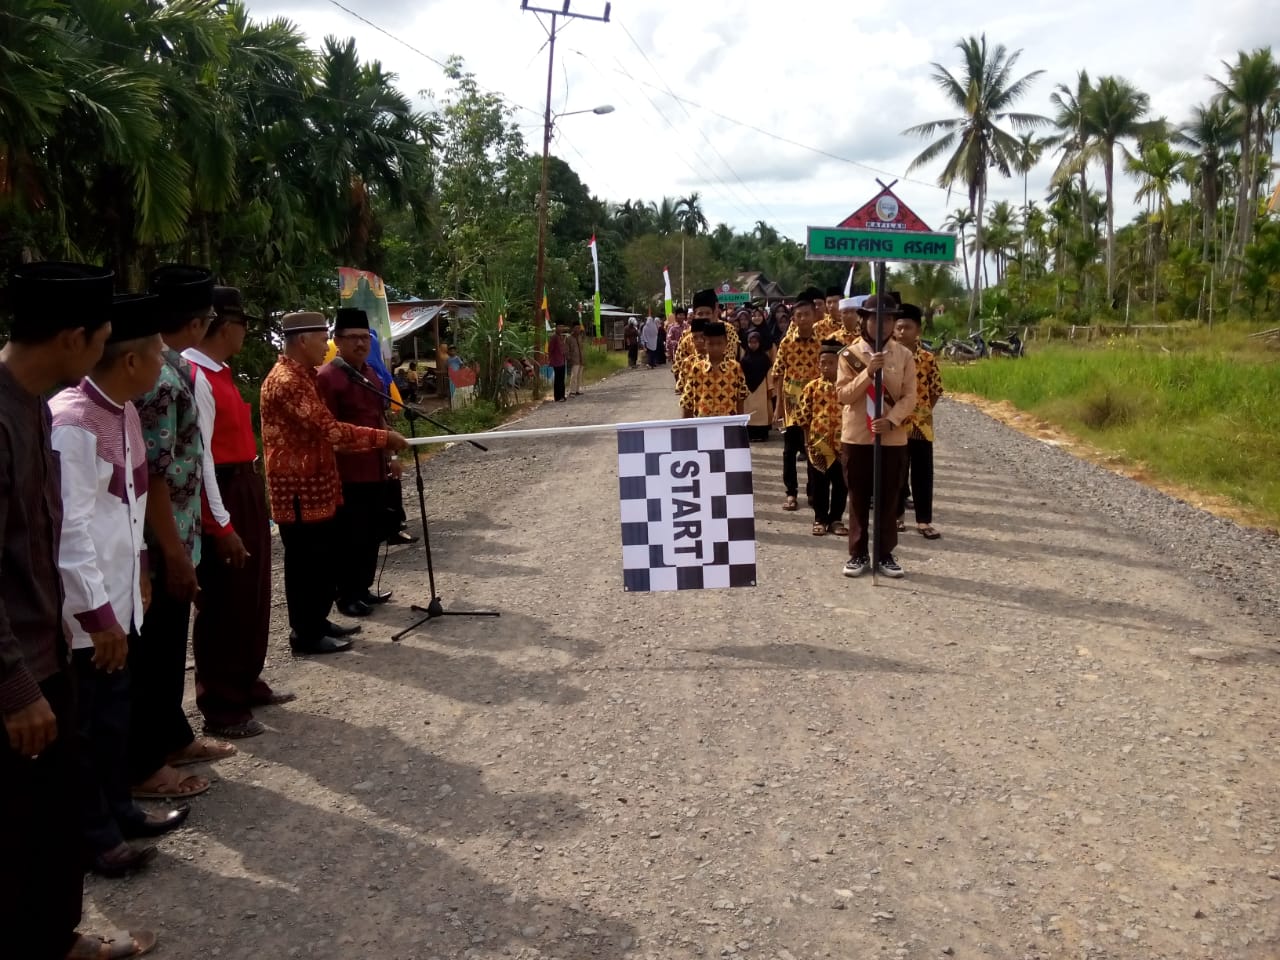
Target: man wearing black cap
706, 307
103, 560
60, 324
299, 435
161, 740
677, 326
854, 388
364, 515
829, 325
795, 364
233, 614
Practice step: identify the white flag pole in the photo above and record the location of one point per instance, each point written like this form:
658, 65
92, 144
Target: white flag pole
735, 420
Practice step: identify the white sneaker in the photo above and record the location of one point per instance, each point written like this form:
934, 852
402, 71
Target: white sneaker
857, 566
889, 568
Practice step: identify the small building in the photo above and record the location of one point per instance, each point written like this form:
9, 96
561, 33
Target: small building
761, 288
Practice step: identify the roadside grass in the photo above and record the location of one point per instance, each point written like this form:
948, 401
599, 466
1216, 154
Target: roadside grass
602, 362
1207, 418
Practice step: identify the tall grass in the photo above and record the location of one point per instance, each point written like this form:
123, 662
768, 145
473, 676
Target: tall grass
1207, 418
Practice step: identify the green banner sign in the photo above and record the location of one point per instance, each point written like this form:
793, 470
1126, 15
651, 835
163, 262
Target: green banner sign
834, 243
734, 297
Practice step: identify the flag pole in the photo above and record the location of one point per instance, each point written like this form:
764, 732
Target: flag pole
877, 506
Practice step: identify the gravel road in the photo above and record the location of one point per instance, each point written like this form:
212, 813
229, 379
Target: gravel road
1056, 738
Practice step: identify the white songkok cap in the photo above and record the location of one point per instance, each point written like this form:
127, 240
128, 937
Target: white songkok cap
849, 303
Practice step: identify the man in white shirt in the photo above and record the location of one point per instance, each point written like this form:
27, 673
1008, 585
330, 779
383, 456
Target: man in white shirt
102, 562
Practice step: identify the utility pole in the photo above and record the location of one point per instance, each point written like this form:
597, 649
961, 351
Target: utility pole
539, 278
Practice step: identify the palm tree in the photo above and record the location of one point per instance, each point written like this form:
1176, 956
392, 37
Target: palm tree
984, 92
1072, 136
957, 222
1030, 149
366, 138
1252, 88
1000, 235
690, 216
665, 216
1113, 111
1212, 132
930, 286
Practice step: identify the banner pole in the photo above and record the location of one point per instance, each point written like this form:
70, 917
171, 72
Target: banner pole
877, 488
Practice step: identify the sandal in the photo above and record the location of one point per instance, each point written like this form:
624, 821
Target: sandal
118, 945
839, 529
790, 505
927, 531
168, 784
902, 526
201, 750
819, 529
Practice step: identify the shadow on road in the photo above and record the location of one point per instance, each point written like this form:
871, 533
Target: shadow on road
794, 656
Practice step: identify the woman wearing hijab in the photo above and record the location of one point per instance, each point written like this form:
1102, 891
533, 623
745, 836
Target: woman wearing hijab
649, 337
755, 366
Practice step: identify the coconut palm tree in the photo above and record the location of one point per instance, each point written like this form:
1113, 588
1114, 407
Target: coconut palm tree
1211, 131
1072, 137
1030, 149
690, 216
930, 286
665, 216
1114, 111
1252, 88
1000, 235
984, 91
959, 220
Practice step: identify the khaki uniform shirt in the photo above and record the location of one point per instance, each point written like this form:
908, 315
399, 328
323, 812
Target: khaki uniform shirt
899, 381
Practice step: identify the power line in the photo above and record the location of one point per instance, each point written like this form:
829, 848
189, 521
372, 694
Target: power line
426, 56
701, 132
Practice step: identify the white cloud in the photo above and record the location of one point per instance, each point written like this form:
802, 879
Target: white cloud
839, 77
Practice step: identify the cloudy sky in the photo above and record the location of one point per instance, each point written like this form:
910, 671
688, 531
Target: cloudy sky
694, 82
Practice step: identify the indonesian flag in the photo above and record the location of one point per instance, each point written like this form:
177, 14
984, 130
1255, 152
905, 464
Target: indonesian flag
666, 292
595, 301
872, 393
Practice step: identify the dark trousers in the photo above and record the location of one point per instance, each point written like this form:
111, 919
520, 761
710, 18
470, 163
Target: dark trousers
859, 473
158, 671
558, 382
233, 614
829, 494
310, 576
41, 871
362, 525
793, 447
918, 480
654, 357
102, 722
633, 355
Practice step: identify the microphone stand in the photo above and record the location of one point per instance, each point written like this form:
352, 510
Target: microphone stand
435, 608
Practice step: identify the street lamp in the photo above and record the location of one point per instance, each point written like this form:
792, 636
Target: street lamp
539, 277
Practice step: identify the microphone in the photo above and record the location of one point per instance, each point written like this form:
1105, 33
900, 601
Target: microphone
352, 373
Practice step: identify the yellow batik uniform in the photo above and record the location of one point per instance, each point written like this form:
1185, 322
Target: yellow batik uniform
928, 392
821, 415
827, 327
794, 366
685, 347
843, 335
713, 391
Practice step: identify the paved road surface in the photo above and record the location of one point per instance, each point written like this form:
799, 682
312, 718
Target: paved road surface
1010, 754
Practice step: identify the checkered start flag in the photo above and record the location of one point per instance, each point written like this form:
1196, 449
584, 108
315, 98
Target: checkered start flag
688, 515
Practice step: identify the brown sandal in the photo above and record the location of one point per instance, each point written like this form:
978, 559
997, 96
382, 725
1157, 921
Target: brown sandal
839, 529
790, 505
119, 945
168, 784
927, 531
819, 529
201, 750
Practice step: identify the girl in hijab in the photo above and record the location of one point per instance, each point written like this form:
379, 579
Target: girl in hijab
649, 337
755, 366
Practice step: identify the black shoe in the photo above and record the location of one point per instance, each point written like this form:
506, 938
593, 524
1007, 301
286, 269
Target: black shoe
157, 823
401, 537
331, 629
375, 599
236, 731
889, 568
354, 608
122, 860
319, 647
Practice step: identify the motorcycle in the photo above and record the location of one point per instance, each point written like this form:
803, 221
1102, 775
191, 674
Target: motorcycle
974, 348
1012, 346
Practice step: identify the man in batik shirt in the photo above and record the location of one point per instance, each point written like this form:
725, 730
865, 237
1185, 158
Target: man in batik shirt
919, 481
714, 385
794, 366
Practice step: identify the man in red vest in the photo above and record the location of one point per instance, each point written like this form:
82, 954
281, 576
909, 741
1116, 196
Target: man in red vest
233, 612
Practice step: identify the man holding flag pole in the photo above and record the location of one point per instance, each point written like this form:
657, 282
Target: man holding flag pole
876, 382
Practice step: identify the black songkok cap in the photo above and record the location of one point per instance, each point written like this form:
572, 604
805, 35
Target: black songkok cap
135, 316
911, 312
350, 318
227, 303
53, 295
699, 324
705, 298
182, 288
715, 328
679, 310
835, 292
832, 346
813, 294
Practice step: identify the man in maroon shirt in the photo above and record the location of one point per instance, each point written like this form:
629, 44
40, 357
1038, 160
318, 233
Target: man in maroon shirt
363, 516
233, 610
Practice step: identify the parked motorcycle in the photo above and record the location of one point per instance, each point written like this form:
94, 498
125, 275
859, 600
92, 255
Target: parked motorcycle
973, 348
1012, 346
